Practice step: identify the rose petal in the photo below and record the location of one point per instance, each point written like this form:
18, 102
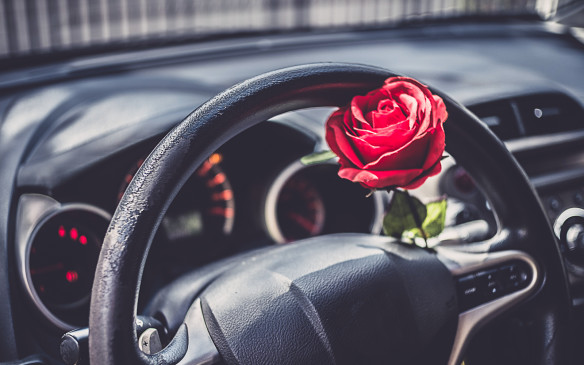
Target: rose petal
401, 81
392, 138
416, 102
436, 146
364, 150
418, 181
411, 109
411, 156
386, 118
362, 105
337, 140
372, 146
414, 88
439, 110
379, 179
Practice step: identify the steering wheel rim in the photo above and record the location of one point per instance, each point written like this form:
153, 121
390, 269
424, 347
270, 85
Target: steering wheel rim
522, 221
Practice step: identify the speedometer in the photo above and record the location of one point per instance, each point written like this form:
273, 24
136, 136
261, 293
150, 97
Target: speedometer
300, 209
305, 201
62, 260
57, 249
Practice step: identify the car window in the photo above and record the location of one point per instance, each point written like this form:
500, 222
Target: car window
48, 26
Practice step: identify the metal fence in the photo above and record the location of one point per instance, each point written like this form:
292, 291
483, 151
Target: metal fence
37, 26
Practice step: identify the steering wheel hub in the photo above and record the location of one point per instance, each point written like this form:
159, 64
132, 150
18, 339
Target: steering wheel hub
336, 299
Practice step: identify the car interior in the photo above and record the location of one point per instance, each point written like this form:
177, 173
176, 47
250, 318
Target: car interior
155, 208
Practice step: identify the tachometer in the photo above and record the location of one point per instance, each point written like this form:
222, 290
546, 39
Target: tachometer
203, 210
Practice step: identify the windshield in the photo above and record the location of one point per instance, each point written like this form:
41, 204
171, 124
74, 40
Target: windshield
46, 26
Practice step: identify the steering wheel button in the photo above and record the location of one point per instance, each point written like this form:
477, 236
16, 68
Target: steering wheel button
484, 286
514, 277
487, 277
490, 284
469, 291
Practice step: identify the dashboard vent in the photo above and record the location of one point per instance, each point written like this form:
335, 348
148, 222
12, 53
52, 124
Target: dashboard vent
531, 115
549, 113
500, 117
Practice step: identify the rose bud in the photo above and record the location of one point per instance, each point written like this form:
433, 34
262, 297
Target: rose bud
392, 137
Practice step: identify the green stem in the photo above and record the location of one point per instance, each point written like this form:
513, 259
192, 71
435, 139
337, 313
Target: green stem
416, 217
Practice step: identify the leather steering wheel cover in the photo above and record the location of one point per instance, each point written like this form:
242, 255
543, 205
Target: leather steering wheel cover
115, 291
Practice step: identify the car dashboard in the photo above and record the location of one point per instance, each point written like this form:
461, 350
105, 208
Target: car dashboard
72, 136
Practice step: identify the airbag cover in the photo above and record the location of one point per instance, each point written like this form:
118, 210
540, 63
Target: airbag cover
341, 299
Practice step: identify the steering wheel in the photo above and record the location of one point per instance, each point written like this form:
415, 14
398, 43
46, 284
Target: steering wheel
349, 298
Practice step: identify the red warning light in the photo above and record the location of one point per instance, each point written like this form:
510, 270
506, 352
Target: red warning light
62, 231
83, 240
73, 234
72, 276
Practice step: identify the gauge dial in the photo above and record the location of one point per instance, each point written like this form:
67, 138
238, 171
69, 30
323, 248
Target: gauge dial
62, 259
203, 210
303, 201
300, 209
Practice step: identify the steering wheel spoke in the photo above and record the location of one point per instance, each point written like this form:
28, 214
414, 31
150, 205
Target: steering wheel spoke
488, 284
201, 349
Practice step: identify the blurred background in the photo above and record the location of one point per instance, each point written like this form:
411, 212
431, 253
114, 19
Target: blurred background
29, 27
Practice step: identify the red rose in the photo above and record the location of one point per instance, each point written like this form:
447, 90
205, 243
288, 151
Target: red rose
391, 137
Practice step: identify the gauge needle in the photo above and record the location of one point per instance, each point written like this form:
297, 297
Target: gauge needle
46, 269
303, 222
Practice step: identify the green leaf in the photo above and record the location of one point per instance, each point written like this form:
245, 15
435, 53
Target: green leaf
399, 216
433, 225
317, 157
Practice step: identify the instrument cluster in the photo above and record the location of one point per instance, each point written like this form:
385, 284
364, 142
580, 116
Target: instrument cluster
240, 198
